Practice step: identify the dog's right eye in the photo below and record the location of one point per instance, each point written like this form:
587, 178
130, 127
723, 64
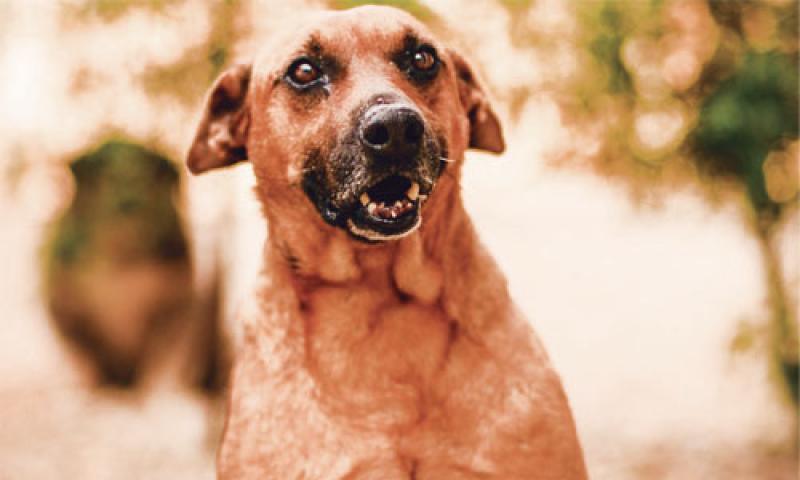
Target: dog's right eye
302, 73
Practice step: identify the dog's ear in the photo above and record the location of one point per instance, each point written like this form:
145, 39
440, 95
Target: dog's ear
485, 131
221, 137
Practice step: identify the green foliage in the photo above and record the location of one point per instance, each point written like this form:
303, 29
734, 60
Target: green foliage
217, 57
745, 117
413, 7
123, 209
730, 71
516, 5
744, 102
188, 78
110, 10
607, 44
608, 23
606, 50
791, 372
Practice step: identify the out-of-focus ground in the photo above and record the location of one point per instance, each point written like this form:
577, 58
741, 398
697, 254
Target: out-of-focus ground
638, 304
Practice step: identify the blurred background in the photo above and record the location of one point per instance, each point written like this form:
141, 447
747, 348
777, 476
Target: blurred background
645, 214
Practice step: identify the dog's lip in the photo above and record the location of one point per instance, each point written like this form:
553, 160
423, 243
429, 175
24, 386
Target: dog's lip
374, 236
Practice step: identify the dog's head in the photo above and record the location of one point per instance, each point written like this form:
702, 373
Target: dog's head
353, 117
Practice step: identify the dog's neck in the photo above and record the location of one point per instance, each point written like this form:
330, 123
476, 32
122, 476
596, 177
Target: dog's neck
410, 269
396, 309
331, 257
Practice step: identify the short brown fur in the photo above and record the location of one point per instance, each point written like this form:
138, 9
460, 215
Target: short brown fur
404, 359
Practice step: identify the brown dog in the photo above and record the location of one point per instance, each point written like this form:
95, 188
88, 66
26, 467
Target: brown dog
382, 343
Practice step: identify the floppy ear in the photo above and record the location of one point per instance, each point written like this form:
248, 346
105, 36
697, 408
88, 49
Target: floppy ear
221, 137
485, 131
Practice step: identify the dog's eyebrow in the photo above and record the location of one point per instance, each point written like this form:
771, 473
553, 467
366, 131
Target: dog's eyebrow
411, 42
313, 49
412, 39
313, 45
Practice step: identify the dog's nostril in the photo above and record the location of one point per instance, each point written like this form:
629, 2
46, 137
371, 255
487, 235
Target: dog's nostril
413, 132
377, 134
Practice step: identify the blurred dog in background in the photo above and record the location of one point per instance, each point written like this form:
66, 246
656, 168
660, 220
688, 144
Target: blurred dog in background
118, 276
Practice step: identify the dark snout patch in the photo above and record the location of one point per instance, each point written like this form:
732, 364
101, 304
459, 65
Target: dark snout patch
374, 195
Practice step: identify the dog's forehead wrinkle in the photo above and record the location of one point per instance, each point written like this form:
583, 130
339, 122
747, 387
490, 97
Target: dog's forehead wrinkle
362, 29
341, 33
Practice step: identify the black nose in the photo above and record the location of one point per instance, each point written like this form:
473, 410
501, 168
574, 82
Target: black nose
391, 131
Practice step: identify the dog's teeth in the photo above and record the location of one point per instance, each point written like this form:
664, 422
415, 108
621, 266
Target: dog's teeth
398, 204
364, 199
413, 191
371, 208
393, 213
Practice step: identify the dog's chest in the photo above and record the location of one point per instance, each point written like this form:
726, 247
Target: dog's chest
375, 356
374, 382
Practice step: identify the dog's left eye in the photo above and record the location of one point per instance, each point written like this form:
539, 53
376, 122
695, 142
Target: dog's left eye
422, 64
424, 60
303, 73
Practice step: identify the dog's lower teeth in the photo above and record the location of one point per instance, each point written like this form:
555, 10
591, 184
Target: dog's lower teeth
392, 210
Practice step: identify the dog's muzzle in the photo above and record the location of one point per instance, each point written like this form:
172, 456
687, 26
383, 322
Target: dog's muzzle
374, 182
392, 136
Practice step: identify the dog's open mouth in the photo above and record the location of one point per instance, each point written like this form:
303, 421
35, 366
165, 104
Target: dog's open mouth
388, 210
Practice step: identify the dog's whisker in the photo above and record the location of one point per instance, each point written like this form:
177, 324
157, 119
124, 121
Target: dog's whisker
446, 160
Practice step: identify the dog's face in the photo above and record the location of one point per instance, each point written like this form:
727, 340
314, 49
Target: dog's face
360, 112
